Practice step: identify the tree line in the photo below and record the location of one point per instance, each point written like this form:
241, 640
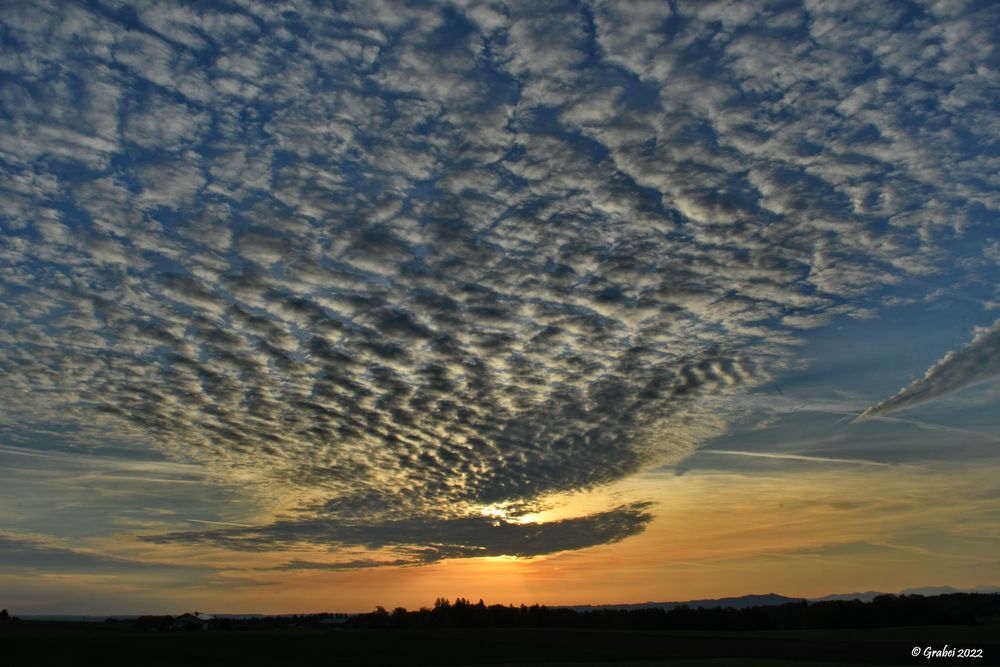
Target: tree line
883, 611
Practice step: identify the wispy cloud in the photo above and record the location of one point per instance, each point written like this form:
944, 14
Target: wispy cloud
796, 457
977, 362
221, 523
23, 554
936, 427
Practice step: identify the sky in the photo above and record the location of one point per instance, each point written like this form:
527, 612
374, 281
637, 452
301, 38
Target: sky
318, 306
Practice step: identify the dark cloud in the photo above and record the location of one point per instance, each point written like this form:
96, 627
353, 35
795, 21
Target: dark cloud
355, 564
458, 537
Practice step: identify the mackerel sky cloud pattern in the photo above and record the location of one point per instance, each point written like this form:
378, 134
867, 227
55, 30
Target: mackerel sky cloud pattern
401, 262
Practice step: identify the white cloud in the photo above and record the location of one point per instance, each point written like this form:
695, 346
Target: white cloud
384, 248
977, 362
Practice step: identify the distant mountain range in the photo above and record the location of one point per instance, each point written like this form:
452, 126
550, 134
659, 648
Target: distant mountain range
868, 596
739, 602
771, 599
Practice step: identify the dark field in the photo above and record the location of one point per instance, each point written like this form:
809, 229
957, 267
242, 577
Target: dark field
27, 643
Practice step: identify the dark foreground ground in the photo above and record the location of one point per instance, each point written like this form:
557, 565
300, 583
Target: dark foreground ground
27, 644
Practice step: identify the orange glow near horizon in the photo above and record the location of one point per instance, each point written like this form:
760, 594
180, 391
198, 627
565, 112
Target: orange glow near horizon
870, 530
714, 535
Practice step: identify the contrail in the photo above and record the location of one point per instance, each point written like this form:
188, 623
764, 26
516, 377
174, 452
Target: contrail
976, 362
222, 523
936, 427
796, 457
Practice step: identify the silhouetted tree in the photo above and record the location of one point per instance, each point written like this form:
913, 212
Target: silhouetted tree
883, 611
380, 617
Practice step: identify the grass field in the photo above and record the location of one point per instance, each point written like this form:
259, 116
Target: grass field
28, 644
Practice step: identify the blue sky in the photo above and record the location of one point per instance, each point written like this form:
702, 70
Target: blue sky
377, 286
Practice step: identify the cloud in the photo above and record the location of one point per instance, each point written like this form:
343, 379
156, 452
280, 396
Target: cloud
355, 564
796, 457
435, 538
977, 362
393, 261
22, 554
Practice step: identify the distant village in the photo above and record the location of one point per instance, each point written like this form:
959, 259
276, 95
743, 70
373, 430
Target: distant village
198, 621
186, 621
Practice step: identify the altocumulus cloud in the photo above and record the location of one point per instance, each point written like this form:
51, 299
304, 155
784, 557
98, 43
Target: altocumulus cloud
411, 260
